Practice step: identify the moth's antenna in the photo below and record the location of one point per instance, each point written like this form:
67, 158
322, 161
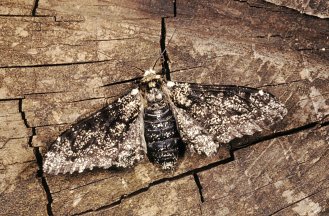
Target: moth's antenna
165, 49
125, 63
163, 54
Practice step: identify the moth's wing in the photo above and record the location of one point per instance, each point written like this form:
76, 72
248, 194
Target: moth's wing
208, 115
113, 136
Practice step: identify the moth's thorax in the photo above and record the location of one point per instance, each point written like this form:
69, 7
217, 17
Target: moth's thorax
154, 95
149, 76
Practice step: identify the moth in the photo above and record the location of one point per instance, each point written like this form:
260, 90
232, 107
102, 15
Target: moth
160, 119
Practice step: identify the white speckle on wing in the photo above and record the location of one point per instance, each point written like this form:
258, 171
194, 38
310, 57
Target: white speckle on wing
170, 84
149, 72
134, 91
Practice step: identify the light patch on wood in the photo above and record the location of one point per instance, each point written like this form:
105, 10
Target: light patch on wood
4, 92
306, 74
124, 183
319, 103
82, 56
142, 174
32, 51
307, 207
303, 207
21, 32
278, 184
76, 200
225, 211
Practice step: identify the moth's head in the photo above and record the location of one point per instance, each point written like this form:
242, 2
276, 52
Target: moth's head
151, 78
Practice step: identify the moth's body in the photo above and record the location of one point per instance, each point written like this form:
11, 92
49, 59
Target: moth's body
159, 119
164, 144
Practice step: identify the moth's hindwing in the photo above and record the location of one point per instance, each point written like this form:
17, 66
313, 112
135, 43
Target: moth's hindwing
208, 115
113, 136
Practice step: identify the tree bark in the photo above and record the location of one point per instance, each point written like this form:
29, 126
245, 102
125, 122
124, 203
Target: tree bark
63, 60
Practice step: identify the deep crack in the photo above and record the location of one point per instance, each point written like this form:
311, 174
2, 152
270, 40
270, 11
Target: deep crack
35, 7
175, 7
136, 79
164, 54
38, 157
44, 183
198, 183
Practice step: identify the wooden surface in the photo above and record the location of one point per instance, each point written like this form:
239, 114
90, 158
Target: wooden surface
319, 8
62, 60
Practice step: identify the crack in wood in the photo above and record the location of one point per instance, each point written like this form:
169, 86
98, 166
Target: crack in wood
43, 93
35, 7
198, 183
38, 158
265, 5
238, 144
157, 182
164, 54
274, 36
123, 81
293, 203
111, 39
80, 186
55, 65
88, 99
175, 8
21, 15
283, 83
43, 180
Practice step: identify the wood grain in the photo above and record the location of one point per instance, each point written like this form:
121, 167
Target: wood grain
62, 60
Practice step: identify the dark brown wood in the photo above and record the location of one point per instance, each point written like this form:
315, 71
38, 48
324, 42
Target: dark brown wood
74, 57
319, 8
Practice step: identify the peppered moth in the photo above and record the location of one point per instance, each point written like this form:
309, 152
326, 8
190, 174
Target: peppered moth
160, 119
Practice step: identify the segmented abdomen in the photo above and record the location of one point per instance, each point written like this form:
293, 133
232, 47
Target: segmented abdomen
164, 144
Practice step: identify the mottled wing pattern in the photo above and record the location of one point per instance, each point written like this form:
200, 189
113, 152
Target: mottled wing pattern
208, 115
113, 136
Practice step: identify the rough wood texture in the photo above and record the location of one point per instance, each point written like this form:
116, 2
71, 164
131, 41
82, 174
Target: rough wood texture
62, 60
319, 8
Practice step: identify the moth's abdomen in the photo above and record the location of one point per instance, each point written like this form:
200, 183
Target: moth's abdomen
164, 144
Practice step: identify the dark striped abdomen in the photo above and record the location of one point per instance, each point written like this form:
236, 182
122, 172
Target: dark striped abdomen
164, 144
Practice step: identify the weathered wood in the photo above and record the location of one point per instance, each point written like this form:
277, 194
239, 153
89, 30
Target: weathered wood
171, 198
283, 176
21, 193
76, 56
318, 8
16, 8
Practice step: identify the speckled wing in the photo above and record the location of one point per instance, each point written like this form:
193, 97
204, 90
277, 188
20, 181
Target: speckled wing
210, 115
113, 136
